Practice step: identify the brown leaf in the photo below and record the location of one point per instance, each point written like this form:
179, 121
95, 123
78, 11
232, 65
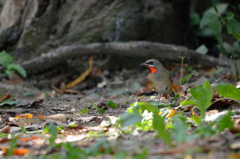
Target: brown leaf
60, 117
6, 129
82, 76
6, 97
16, 79
29, 102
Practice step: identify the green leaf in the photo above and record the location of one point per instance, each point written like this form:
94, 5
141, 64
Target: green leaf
195, 18
196, 119
13, 145
5, 58
188, 102
128, 119
121, 155
212, 21
61, 127
206, 130
23, 129
226, 122
202, 49
221, 8
233, 27
52, 129
159, 125
27, 94
9, 102
215, 8
18, 68
205, 19
143, 155
187, 78
228, 90
203, 95
111, 104
230, 16
9, 73
100, 110
72, 125
179, 130
147, 106
95, 149
84, 111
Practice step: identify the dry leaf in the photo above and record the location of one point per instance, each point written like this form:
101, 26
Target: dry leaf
21, 151
6, 129
172, 113
42, 117
42, 96
16, 79
82, 76
6, 97
178, 89
60, 117
194, 113
234, 156
23, 116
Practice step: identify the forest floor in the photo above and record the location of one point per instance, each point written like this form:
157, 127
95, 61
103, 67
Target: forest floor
87, 124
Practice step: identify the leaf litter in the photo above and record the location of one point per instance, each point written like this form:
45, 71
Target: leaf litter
83, 126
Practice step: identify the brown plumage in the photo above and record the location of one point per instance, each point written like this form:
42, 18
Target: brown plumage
161, 79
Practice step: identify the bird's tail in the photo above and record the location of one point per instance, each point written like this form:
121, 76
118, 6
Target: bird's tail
172, 94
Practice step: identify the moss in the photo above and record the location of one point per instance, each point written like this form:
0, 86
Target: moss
32, 39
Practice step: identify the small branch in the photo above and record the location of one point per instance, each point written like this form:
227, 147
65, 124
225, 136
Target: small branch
225, 99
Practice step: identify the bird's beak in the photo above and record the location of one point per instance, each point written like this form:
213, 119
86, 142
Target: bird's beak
142, 64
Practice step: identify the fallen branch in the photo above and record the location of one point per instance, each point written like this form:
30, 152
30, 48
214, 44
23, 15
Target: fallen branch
130, 49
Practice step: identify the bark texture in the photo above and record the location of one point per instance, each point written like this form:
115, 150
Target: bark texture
130, 49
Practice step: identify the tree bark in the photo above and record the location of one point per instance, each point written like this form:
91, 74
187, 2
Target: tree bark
131, 49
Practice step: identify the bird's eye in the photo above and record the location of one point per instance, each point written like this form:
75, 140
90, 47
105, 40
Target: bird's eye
150, 62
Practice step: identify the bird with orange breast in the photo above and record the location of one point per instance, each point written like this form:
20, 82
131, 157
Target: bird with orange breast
161, 79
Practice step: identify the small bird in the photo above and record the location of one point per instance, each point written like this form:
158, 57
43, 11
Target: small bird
161, 79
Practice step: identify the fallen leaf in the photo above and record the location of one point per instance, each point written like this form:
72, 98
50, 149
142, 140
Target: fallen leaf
42, 96
21, 151
234, 156
194, 113
172, 113
4, 140
6, 97
9, 102
42, 117
210, 70
82, 76
6, 129
235, 145
72, 138
60, 117
178, 89
96, 72
23, 116
16, 79
29, 102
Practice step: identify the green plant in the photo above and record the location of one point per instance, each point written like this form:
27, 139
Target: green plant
218, 19
7, 61
52, 129
84, 111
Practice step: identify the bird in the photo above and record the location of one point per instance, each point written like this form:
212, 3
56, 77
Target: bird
160, 77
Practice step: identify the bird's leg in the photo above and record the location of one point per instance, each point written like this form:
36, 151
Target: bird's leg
160, 95
168, 99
